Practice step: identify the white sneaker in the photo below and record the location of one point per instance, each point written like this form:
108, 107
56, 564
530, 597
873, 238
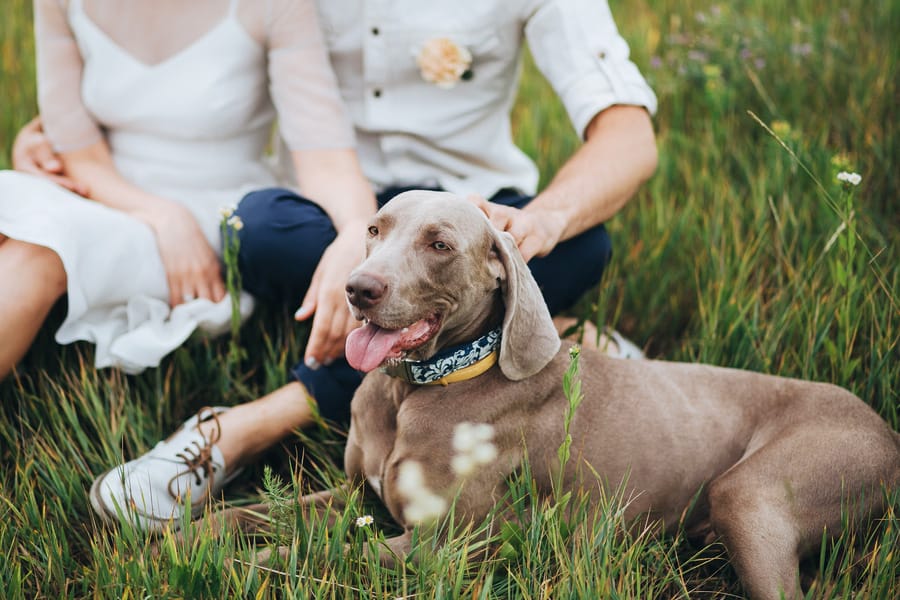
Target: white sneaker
153, 491
621, 347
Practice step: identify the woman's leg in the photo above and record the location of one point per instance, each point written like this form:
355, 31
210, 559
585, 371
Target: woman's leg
34, 279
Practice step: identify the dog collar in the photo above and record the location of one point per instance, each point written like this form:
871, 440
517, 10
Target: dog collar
459, 363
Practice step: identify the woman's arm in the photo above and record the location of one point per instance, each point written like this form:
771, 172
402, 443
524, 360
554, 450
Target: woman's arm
192, 268
32, 153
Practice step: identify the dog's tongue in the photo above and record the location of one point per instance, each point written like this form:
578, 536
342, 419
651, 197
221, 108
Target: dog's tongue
368, 346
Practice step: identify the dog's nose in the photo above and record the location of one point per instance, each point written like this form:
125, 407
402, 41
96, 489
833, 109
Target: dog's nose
365, 291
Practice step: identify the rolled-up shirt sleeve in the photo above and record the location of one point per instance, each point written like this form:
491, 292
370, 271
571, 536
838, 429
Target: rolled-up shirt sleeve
578, 48
304, 88
66, 121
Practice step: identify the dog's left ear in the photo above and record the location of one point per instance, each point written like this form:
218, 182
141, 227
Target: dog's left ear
530, 340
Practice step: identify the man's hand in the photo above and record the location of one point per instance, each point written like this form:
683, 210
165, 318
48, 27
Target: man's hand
536, 233
32, 153
192, 268
326, 299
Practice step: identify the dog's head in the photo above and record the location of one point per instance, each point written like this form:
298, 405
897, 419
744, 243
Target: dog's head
437, 274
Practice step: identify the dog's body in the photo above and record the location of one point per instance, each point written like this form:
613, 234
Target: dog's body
770, 461
773, 459
665, 429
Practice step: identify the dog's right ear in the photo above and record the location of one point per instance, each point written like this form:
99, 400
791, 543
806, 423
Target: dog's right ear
529, 340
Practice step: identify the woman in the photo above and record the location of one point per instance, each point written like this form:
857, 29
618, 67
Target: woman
162, 110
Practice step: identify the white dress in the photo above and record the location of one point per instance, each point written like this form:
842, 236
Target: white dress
192, 128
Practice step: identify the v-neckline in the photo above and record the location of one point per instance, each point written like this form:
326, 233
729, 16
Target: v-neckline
164, 62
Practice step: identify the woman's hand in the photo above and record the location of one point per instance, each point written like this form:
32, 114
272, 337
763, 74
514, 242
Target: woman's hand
32, 153
192, 267
326, 298
536, 233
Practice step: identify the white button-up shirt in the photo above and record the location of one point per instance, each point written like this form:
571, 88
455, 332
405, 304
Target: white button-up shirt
412, 132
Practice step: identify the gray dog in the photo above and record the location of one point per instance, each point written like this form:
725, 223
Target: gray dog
444, 297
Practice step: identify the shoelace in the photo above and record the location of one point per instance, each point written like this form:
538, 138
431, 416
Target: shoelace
198, 456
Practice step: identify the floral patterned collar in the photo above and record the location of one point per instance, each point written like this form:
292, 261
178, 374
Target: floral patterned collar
457, 363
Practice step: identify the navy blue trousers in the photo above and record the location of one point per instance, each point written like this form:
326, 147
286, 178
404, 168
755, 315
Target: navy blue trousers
284, 236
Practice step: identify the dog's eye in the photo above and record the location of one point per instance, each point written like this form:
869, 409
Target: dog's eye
439, 245
373, 231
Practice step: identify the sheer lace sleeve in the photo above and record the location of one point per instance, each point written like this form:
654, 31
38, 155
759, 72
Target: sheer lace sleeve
304, 89
66, 121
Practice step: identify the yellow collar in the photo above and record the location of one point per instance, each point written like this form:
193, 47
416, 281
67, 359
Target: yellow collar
466, 373
450, 365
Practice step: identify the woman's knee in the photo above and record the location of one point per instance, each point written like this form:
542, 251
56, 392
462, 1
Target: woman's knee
41, 263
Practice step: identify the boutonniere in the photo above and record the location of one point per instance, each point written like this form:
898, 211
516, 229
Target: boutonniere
443, 62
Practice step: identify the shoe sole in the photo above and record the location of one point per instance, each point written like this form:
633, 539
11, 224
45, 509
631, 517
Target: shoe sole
112, 518
97, 504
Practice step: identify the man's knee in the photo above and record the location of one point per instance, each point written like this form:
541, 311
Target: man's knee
259, 211
572, 268
282, 239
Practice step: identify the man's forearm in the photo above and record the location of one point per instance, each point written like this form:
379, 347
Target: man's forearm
334, 180
619, 154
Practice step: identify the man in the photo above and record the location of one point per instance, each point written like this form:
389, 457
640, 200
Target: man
429, 88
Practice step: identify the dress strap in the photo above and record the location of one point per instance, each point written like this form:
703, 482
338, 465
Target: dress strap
232, 7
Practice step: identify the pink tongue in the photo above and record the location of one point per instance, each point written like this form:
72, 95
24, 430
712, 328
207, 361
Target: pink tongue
368, 346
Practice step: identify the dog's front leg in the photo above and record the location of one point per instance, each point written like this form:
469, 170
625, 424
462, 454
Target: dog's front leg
394, 550
325, 506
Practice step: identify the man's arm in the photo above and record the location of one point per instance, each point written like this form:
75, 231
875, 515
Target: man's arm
334, 179
619, 154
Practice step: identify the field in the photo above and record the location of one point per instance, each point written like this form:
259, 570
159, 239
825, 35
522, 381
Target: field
743, 250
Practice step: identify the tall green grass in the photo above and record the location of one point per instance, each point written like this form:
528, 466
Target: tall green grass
743, 250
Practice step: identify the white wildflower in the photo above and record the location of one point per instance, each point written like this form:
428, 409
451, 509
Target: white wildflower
467, 436
364, 521
474, 447
463, 464
851, 178
484, 453
422, 505
226, 211
235, 222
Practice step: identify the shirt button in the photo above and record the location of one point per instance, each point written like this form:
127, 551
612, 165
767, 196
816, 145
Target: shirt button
375, 31
376, 92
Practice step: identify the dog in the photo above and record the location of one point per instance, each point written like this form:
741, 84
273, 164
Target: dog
455, 332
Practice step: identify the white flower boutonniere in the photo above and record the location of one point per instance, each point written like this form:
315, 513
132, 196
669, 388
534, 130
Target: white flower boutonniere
443, 62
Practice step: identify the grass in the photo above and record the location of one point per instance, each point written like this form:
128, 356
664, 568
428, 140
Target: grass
743, 250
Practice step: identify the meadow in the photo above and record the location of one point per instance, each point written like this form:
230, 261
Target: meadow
743, 250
